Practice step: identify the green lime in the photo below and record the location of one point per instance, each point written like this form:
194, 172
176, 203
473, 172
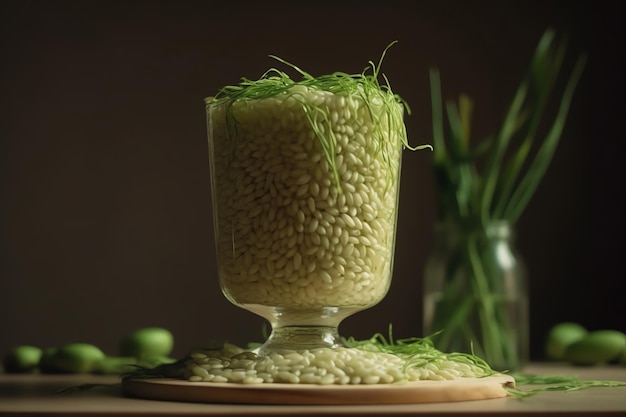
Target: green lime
72, 358
597, 347
147, 343
561, 336
22, 359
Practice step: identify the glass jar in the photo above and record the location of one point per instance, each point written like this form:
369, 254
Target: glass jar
304, 210
476, 296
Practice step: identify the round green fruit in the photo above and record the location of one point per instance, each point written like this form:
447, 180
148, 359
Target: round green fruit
22, 359
561, 336
75, 358
147, 343
597, 347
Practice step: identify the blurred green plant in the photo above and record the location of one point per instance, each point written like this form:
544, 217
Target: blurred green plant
484, 183
500, 188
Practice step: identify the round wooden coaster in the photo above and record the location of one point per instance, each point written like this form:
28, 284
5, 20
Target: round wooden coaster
463, 389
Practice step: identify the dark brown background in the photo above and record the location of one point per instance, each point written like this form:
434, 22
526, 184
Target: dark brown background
105, 209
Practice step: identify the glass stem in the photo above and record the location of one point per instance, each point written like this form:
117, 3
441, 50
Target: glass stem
294, 338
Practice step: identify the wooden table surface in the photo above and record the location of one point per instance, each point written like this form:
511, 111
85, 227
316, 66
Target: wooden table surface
36, 395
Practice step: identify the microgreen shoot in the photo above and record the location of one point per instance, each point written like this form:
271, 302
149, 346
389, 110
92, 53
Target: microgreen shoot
365, 85
555, 383
418, 352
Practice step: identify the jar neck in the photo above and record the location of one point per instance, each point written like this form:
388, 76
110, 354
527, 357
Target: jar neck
495, 229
